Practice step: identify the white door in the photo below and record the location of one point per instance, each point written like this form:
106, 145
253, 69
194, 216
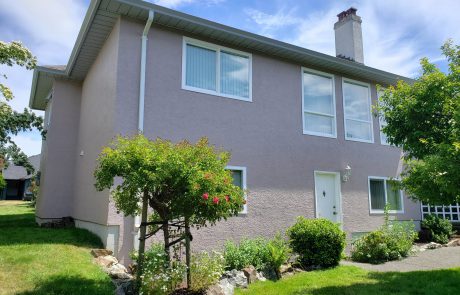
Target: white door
327, 195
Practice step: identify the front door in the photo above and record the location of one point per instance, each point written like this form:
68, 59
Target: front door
327, 195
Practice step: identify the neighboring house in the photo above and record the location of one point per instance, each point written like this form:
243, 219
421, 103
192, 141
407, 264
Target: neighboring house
18, 181
298, 123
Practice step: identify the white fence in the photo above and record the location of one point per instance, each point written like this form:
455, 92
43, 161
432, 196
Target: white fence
451, 212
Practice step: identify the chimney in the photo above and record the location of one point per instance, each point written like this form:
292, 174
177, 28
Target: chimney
349, 36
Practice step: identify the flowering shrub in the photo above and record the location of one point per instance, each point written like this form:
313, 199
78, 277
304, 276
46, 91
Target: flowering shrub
206, 270
319, 242
159, 277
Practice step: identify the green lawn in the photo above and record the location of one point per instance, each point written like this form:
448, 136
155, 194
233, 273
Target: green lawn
37, 260
353, 280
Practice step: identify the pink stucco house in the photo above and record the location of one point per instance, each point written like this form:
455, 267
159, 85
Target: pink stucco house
298, 123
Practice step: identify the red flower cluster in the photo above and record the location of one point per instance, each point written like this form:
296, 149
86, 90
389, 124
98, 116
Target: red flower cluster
205, 196
215, 200
227, 198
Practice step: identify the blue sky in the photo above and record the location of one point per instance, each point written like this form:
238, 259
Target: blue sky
396, 34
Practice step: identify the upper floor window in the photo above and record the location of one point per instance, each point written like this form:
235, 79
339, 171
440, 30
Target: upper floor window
382, 191
217, 70
357, 111
239, 179
319, 116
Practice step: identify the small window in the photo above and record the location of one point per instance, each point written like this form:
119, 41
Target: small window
216, 70
383, 191
357, 111
48, 112
319, 116
239, 179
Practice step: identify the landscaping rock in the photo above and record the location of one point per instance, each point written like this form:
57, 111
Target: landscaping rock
118, 271
101, 252
251, 274
433, 245
453, 243
260, 276
224, 287
236, 278
106, 261
286, 268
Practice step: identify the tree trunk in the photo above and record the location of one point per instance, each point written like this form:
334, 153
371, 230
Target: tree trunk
187, 252
142, 233
166, 240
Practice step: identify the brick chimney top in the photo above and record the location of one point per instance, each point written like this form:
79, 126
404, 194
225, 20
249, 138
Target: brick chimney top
344, 14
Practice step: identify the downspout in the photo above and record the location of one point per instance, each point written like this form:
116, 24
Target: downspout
140, 122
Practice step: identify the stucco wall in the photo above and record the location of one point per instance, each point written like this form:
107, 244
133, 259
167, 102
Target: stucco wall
264, 135
57, 162
96, 130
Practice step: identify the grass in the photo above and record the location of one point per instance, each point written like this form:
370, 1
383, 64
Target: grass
353, 280
36, 260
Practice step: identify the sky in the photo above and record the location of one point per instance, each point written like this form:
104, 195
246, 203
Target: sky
396, 34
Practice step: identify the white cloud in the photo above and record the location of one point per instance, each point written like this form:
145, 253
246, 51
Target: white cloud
177, 3
49, 29
396, 34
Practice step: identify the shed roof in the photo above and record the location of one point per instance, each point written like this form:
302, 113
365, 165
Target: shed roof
14, 172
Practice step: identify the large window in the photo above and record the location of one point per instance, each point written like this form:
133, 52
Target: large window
318, 103
357, 111
239, 179
213, 69
383, 191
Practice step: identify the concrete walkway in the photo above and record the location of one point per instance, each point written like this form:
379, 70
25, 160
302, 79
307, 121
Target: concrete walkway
446, 257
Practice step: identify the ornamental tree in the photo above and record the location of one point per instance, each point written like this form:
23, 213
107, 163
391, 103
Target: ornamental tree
424, 120
186, 185
13, 122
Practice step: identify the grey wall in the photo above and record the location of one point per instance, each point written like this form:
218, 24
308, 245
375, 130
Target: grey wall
57, 162
264, 135
96, 130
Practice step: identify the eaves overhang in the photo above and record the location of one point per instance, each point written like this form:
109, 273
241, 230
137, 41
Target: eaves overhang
103, 14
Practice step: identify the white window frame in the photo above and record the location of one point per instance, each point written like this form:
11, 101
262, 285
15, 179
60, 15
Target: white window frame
217, 49
243, 175
351, 81
385, 179
332, 77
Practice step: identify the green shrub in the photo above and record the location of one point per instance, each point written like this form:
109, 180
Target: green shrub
248, 252
440, 229
392, 241
206, 269
319, 242
158, 277
278, 253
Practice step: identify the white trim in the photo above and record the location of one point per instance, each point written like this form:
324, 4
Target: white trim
375, 211
334, 116
243, 182
217, 49
338, 194
359, 83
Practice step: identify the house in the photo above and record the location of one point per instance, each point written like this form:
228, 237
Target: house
298, 123
18, 181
